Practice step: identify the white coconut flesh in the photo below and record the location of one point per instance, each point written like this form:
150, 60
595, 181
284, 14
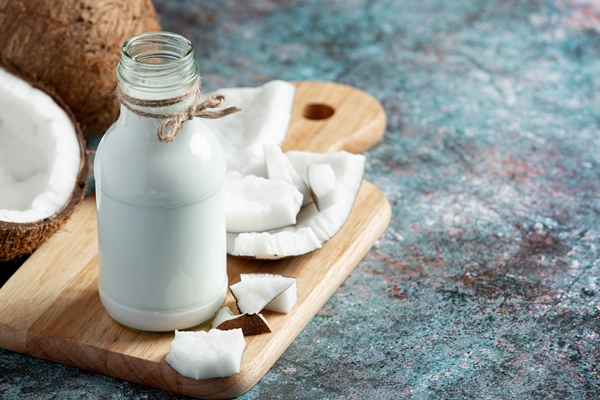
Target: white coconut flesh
272, 245
312, 227
39, 153
278, 167
284, 302
256, 204
321, 181
265, 117
256, 166
204, 355
224, 314
252, 295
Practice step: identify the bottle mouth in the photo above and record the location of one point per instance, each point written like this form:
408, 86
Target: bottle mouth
157, 60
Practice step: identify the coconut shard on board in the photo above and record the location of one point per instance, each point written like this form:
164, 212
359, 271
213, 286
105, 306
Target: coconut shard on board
57, 75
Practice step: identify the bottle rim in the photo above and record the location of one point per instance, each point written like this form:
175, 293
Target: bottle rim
157, 60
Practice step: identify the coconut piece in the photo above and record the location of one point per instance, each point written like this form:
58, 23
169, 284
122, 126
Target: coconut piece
44, 165
272, 245
265, 117
257, 204
252, 295
233, 175
223, 315
321, 181
250, 324
73, 46
204, 355
276, 164
279, 167
282, 303
283, 242
256, 166
349, 171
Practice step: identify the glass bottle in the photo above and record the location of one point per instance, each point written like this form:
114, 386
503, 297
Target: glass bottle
160, 206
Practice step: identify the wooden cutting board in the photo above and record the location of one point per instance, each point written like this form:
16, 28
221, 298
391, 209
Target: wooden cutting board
50, 307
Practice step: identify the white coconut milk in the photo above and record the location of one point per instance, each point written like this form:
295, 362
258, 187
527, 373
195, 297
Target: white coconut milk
161, 223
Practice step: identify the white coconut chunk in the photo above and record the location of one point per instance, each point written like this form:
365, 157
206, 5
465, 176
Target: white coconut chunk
282, 303
285, 301
280, 243
252, 295
349, 171
265, 117
224, 314
203, 355
233, 175
275, 164
256, 166
321, 181
278, 166
273, 245
325, 224
39, 153
257, 204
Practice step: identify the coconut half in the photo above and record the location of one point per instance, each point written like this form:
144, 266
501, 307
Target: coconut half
313, 226
44, 165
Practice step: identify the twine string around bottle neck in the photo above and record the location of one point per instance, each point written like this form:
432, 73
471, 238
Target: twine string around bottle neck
167, 130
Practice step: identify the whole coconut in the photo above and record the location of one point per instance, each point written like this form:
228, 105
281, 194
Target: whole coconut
73, 46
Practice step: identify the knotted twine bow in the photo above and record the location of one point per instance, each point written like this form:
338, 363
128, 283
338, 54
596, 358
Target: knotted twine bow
200, 108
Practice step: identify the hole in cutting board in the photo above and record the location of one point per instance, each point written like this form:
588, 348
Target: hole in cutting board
318, 111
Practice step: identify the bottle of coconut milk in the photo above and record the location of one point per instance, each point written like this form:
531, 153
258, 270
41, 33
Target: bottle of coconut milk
160, 204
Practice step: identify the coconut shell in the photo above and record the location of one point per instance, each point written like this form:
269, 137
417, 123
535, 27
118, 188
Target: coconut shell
250, 324
74, 47
17, 239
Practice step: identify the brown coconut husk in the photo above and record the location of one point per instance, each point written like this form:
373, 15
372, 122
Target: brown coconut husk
17, 239
74, 47
250, 324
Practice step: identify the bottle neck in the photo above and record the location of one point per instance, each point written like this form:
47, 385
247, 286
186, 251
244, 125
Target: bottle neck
187, 93
156, 66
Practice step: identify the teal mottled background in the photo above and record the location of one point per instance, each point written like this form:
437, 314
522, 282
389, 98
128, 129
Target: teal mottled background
485, 284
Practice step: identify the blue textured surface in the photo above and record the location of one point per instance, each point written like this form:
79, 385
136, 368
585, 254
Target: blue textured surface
486, 283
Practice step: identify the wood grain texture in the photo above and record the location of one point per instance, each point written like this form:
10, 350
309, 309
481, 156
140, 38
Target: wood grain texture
357, 123
50, 307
